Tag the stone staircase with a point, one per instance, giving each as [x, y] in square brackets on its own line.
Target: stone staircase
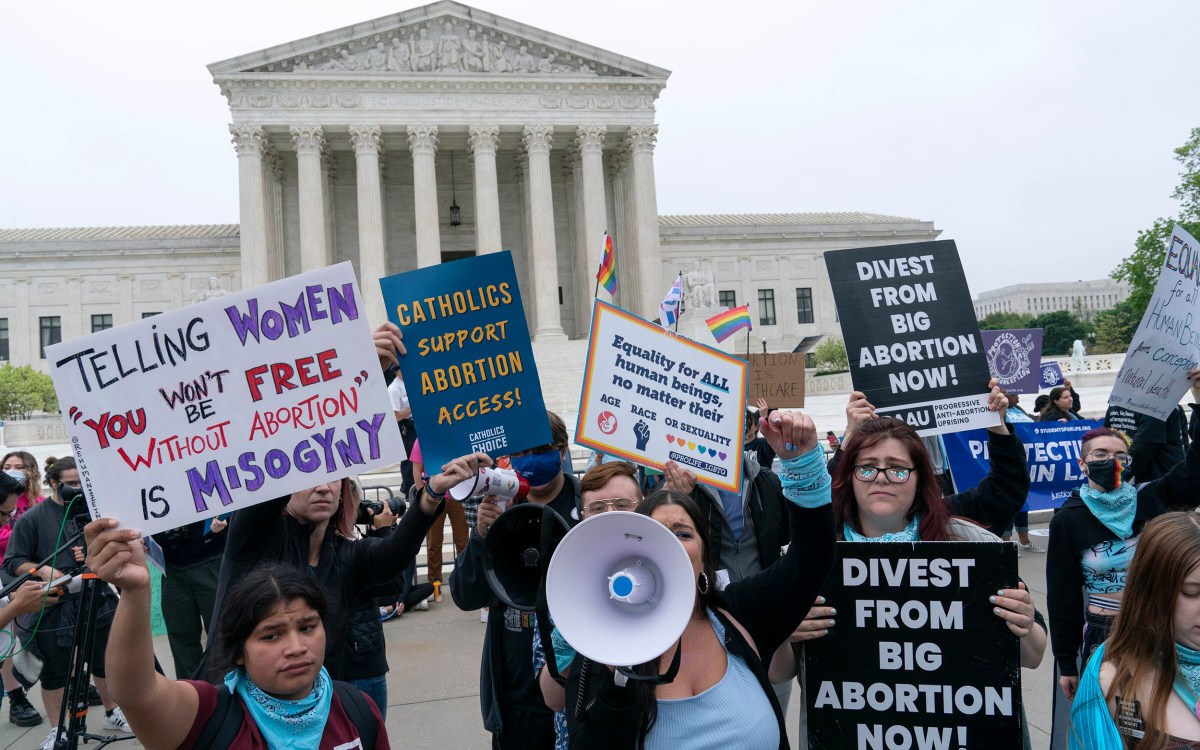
[560, 367]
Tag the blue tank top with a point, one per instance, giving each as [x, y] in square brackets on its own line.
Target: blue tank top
[1106, 564]
[734, 713]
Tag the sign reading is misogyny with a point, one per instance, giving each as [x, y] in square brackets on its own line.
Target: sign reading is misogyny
[1167, 344]
[652, 396]
[226, 403]
[911, 336]
[469, 371]
[918, 659]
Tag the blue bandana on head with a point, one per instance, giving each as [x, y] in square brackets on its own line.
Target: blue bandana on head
[908, 534]
[285, 724]
[1113, 509]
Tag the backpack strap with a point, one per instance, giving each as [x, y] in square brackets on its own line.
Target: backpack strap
[222, 726]
[354, 703]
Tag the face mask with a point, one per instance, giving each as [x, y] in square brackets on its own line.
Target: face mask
[1106, 474]
[539, 469]
[16, 474]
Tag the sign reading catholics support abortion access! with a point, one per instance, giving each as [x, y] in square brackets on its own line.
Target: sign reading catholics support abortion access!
[652, 396]
[226, 403]
[911, 336]
[917, 659]
[1167, 344]
[469, 371]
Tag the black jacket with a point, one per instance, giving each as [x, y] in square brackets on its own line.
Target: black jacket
[769, 606]
[768, 515]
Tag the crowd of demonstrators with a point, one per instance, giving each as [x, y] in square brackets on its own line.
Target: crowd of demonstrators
[192, 560]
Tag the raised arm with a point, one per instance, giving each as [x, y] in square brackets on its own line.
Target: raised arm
[160, 711]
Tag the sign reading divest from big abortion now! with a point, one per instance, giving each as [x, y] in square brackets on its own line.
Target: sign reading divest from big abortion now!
[469, 371]
[917, 658]
[226, 403]
[651, 396]
[911, 335]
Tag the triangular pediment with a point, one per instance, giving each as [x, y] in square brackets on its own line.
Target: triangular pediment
[442, 39]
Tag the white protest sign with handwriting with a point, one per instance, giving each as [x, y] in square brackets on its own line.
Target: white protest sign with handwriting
[651, 396]
[226, 403]
[1167, 343]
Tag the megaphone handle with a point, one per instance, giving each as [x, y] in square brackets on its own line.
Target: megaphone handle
[545, 624]
[656, 679]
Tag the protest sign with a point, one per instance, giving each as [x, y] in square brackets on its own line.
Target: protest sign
[471, 378]
[911, 335]
[1167, 344]
[917, 659]
[226, 403]
[1051, 452]
[652, 396]
[1013, 358]
[778, 378]
[1052, 375]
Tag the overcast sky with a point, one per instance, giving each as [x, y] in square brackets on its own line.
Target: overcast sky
[1038, 135]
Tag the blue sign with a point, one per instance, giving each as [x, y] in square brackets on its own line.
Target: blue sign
[1052, 375]
[1051, 450]
[469, 371]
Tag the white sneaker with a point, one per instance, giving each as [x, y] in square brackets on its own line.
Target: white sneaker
[116, 721]
[1032, 549]
[422, 605]
[51, 739]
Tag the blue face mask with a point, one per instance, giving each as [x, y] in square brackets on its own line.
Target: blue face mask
[539, 469]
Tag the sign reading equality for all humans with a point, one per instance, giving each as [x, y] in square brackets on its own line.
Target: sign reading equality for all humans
[469, 370]
[652, 396]
[911, 336]
[778, 378]
[1167, 344]
[918, 659]
[226, 403]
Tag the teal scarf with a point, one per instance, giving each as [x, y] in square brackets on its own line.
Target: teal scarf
[907, 534]
[1113, 509]
[1187, 679]
[286, 724]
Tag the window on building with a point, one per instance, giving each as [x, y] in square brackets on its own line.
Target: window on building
[766, 307]
[727, 299]
[51, 331]
[3, 339]
[149, 314]
[101, 323]
[804, 305]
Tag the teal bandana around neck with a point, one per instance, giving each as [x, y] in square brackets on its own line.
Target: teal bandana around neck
[285, 724]
[1113, 509]
[1187, 679]
[907, 534]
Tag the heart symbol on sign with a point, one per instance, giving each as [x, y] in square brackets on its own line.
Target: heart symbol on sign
[712, 451]
[681, 441]
[722, 455]
[691, 446]
[670, 438]
[701, 449]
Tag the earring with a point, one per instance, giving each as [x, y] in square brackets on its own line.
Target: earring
[702, 583]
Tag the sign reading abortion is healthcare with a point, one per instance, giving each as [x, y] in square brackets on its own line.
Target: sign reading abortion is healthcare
[911, 335]
[226, 403]
[652, 396]
[917, 659]
[469, 371]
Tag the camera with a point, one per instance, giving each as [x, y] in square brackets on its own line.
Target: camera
[76, 503]
[368, 509]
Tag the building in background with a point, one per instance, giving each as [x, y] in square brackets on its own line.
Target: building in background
[1084, 297]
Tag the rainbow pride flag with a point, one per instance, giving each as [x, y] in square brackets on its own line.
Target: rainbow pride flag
[723, 325]
[607, 275]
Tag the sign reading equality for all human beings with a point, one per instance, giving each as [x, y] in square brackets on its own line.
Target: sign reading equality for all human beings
[917, 659]
[652, 396]
[226, 403]
[911, 336]
[469, 370]
[1167, 343]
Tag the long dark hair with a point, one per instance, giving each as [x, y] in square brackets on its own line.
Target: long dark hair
[253, 599]
[928, 503]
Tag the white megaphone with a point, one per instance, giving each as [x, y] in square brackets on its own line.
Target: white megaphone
[504, 484]
[621, 588]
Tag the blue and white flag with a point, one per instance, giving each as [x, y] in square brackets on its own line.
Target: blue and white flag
[668, 311]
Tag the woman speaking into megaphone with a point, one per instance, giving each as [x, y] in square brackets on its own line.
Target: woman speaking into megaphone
[720, 695]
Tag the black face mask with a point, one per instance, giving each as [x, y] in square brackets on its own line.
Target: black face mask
[1105, 473]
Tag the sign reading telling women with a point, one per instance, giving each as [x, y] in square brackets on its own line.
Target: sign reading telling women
[911, 335]
[226, 403]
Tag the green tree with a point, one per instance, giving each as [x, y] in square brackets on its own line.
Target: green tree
[830, 356]
[24, 390]
[1141, 269]
[1059, 331]
[1115, 327]
[1001, 321]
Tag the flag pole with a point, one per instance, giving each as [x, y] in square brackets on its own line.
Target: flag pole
[748, 344]
[596, 290]
[679, 279]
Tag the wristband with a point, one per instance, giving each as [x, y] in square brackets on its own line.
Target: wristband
[436, 497]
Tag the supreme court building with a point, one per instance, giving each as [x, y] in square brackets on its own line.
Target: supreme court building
[427, 136]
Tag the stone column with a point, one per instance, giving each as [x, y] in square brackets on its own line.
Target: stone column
[628, 286]
[372, 262]
[309, 141]
[645, 219]
[590, 139]
[483, 141]
[544, 257]
[328, 178]
[525, 262]
[23, 330]
[423, 142]
[249, 141]
[273, 190]
[582, 281]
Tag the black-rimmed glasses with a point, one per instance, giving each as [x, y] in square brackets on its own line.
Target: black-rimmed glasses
[894, 474]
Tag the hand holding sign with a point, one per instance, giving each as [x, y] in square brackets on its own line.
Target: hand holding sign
[816, 623]
[789, 433]
[116, 555]
[678, 478]
[388, 344]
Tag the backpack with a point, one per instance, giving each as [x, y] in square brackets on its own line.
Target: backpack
[226, 720]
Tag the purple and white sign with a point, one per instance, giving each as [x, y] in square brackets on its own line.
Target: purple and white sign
[1052, 375]
[1013, 358]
